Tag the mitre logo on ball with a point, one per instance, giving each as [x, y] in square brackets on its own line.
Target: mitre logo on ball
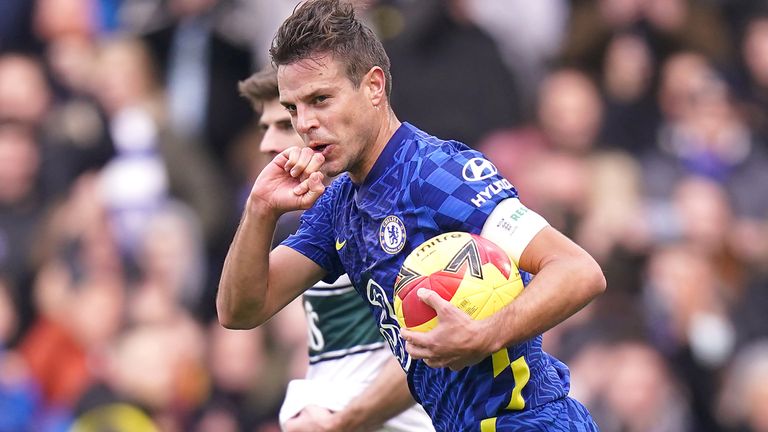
[471, 272]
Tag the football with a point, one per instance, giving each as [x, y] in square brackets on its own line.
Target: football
[471, 272]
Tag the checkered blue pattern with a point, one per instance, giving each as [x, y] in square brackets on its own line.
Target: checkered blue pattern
[423, 181]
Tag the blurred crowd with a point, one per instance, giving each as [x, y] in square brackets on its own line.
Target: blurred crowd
[637, 127]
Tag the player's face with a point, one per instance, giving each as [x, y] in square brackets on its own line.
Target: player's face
[277, 130]
[332, 115]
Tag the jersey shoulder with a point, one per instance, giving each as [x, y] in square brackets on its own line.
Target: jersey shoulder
[449, 173]
[441, 160]
[435, 152]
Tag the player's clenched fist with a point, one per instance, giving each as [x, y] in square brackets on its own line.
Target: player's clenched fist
[303, 161]
[292, 181]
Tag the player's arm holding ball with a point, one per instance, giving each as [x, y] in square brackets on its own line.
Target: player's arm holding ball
[247, 297]
[566, 279]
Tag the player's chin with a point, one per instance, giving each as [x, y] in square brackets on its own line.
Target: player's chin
[331, 169]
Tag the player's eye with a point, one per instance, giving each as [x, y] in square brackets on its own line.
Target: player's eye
[291, 108]
[320, 99]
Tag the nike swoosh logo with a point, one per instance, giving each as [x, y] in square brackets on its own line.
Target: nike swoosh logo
[339, 244]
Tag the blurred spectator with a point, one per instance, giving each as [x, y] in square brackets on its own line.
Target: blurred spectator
[627, 81]
[26, 97]
[528, 34]
[703, 214]
[171, 266]
[108, 15]
[73, 128]
[78, 299]
[199, 70]
[58, 350]
[737, 14]
[705, 134]
[748, 314]
[754, 57]
[689, 323]
[135, 181]
[76, 125]
[614, 215]
[640, 394]
[24, 92]
[248, 380]
[615, 230]
[15, 26]
[155, 373]
[151, 163]
[667, 25]
[681, 79]
[467, 99]
[20, 400]
[19, 396]
[699, 212]
[744, 397]
[21, 212]
[57, 18]
[114, 417]
[9, 319]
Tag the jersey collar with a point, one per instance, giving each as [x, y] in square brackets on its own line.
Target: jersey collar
[386, 158]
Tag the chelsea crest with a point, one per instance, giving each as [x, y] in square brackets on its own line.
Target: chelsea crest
[392, 234]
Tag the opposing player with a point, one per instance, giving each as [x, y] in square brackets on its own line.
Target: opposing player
[352, 380]
[400, 187]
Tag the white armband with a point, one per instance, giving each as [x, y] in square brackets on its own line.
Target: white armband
[512, 226]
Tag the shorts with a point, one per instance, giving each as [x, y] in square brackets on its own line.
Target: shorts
[562, 415]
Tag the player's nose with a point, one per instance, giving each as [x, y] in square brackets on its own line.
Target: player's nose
[305, 121]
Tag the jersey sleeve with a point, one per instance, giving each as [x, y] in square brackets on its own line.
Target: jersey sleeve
[460, 189]
[314, 237]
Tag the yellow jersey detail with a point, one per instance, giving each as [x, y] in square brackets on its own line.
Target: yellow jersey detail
[522, 374]
[488, 425]
[500, 361]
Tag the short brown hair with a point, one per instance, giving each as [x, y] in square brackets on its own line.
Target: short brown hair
[318, 27]
[260, 87]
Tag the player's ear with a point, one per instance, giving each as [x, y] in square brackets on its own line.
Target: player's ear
[375, 84]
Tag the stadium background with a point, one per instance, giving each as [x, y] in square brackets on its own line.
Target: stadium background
[638, 127]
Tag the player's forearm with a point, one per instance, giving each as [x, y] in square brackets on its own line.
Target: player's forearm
[387, 396]
[241, 297]
[559, 290]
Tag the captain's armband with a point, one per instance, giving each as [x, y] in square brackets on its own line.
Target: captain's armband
[512, 226]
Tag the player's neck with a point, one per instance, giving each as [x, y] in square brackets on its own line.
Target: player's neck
[389, 126]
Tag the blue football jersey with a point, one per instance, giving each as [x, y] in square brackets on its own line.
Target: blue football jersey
[419, 187]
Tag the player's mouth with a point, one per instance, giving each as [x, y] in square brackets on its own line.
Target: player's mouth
[320, 148]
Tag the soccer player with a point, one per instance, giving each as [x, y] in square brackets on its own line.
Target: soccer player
[398, 187]
[352, 380]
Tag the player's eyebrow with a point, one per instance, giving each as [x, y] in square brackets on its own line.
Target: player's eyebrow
[322, 91]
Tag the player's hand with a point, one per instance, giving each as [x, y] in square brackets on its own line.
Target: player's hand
[291, 181]
[456, 342]
[312, 418]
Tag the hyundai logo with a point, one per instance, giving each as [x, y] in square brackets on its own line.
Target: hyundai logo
[477, 169]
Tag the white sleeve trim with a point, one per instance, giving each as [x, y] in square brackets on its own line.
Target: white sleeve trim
[512, 226]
